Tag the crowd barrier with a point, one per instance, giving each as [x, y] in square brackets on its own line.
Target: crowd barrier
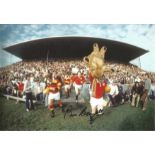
[16, 98]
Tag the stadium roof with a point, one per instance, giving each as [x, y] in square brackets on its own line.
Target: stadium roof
[74, 47]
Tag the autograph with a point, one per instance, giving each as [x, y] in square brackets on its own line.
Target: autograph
[69, 111]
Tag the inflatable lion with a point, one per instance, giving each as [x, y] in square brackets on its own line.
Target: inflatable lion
[95, 61]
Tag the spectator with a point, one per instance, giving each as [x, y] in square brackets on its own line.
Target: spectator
[136, 92]
[28, 91]
[147, 88]
[38, 91]
[152, 92]
[20, 88]
[113, 93]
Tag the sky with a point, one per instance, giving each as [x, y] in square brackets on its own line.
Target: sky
[141, 35]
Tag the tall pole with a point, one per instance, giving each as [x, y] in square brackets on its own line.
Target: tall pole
[47, 60]
[139, 63]
[9, 58]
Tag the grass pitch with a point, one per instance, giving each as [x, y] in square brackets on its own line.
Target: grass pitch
[14, 117]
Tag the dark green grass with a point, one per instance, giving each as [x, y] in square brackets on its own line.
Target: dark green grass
[124, 117]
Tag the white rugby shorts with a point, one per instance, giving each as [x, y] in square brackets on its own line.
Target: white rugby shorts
[67, 86]
[98, 101]
[54, 96]
[77, 88]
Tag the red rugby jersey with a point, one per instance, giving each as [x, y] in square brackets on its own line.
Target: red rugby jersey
[100, 87]
[20, 86]
[79, 80]
[72, 78]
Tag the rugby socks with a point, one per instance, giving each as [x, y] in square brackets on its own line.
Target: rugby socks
[51, 107]
[60, 104]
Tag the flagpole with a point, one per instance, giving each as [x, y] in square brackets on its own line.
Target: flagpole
[47, 60]
[139, 62]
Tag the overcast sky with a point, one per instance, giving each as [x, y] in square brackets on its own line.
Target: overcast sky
[139, 35]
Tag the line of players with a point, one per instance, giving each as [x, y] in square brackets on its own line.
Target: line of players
[76, 81]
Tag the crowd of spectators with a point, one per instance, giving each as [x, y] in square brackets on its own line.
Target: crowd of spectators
[123, 75]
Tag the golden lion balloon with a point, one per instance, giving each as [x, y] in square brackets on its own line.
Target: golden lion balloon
[95, 61]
